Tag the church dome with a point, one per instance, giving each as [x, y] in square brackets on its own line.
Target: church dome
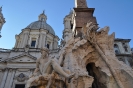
[41, 24]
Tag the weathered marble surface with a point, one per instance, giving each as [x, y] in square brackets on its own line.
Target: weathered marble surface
[44, 72]
[94, 47]
[113, 73]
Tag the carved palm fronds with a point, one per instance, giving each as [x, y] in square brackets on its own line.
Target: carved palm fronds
[94, 36]
[103, 44]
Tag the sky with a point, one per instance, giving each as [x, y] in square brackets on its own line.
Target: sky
[117, 14]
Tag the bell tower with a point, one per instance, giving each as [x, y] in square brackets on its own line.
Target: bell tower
[83, 14]
[2, 20]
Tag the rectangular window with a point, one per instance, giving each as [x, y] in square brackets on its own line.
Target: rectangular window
[33, 43]
[20, 86]
[48, 44]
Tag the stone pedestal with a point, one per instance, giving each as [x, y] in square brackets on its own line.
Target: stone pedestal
[41, 87]
[82, 82]
[83, 15]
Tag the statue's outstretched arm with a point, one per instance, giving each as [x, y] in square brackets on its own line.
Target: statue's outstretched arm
[37, 63]
[61, 55]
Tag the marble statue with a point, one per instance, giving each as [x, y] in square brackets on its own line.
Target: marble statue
[70, 63]
[44, 67]
[118, 74]
[0, 10]
[93, 48]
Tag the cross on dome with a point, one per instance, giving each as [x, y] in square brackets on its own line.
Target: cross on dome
[42, 16]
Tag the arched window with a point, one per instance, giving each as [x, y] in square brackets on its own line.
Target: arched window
[116, 48]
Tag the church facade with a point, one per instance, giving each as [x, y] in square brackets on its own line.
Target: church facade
[18, 64]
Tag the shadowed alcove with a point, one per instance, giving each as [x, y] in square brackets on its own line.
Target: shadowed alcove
[97, 74]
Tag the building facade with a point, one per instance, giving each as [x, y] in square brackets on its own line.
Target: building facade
[132, 50]
[18, 64]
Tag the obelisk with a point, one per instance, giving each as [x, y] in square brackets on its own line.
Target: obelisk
[83, 14]
[80, 4]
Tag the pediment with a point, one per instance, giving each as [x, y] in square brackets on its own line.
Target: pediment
[22, 58]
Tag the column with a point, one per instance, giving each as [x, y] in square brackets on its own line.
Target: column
[129, 48]
[29, 41]
[67, 23]
[26, 39]
[16, 44]
[121, 47]
[9, 77]
[40, 41]
[19, 43]
[55, 43]
[22, 41]
[51, 45]
[44, 40]
[4, 78]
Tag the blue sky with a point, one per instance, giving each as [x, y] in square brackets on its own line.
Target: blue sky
[117, 14]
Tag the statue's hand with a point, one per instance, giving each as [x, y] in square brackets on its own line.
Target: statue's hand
[31, 76]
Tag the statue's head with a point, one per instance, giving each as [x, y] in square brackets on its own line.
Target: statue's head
[44, 52]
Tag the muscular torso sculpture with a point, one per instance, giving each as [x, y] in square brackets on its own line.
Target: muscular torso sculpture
[44, 66]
